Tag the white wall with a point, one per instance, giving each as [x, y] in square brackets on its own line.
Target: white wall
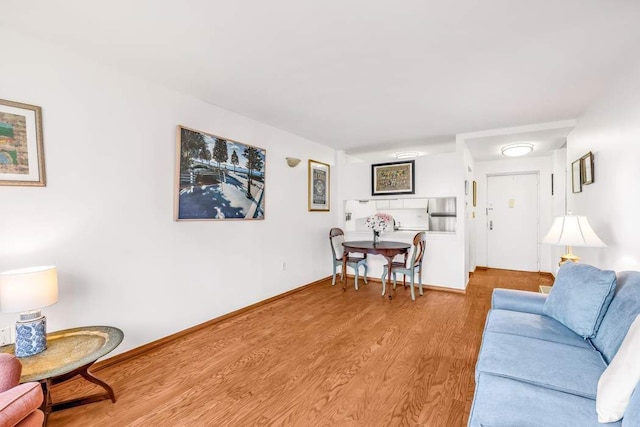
[105, 216]
[610, 129]
[558, 201]
[544, 167]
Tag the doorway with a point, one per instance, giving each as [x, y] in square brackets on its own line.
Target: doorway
[512, 221]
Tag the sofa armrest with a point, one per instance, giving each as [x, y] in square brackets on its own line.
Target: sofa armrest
[17, 403]
[10, 370]
[524, 301]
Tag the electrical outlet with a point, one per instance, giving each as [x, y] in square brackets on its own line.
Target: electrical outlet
[5, 335]
[284, 266]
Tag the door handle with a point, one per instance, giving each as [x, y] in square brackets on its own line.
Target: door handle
[490, 225]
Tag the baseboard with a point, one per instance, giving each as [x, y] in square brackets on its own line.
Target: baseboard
[135, 352]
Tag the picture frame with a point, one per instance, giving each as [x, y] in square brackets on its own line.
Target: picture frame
[475, 193]
[393, 178]
[319, 186]
[217, 178]
[21, 145]
[576, 176]
[587, 168]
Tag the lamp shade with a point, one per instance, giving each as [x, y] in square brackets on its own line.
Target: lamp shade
[572, 230]
[28, 289]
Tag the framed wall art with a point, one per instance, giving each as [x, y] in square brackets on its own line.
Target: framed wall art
[319, 186]
[587, 168]
[576, 176]
[393, 178]
[475, 193]
[21, 147]
[218, 178]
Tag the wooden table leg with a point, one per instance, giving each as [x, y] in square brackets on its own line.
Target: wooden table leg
[46, 401]
[84, 373]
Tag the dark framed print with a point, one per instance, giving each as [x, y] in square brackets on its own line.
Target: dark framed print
[21, 147]
[393, 178]
[217, 178]
[576, 176]
[587, 168]
[319, 186]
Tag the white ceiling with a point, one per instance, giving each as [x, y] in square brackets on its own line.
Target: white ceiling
[357, 74]
[544, 137]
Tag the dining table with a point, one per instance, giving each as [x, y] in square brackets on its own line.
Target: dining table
[386, 248]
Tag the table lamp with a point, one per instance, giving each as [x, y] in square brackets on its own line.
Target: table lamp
[26, 291]
[572, 230]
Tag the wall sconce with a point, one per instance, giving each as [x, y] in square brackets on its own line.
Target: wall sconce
[292, 162]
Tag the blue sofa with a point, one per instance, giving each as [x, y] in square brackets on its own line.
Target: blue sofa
[534, 371]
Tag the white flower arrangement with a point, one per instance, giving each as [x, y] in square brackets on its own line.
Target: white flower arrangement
[379, 222]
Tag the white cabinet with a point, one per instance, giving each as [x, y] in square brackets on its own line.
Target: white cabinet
[415, 203]
[382, 204]
[396, 204]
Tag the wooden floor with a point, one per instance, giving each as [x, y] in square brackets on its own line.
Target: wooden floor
[318, 357]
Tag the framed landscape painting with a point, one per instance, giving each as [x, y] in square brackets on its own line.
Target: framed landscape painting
[21, 148]
[393, 178]
[319, 183]
[218, 178]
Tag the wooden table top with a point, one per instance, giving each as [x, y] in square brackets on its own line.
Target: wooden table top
[68, 350]
[383, 244]
[383, 247]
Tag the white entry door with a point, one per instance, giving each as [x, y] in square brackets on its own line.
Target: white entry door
[512, 222]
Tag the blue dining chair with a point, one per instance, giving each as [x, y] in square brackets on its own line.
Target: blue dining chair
[336, 237]
[411, 268]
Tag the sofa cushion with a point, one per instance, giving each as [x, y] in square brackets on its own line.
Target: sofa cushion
[503, 402]
[533, 326]
[620, 378]
[580, 297]
[632, 414]
[560, 367]
[623, 309]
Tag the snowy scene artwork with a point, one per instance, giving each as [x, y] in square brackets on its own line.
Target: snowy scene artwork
[319, 184]
[218, 178]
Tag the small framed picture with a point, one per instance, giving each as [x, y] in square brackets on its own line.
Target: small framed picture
[475, 194]
[393, 178]
[21, 148]
[576, 176]
[587, 168]
[319, 186]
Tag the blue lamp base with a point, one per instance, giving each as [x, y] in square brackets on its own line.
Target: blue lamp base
[31, 334]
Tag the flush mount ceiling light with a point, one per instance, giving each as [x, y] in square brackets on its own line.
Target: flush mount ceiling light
[407, 155]
[515, 150]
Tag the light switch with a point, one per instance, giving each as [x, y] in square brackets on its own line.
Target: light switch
[512, 203]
